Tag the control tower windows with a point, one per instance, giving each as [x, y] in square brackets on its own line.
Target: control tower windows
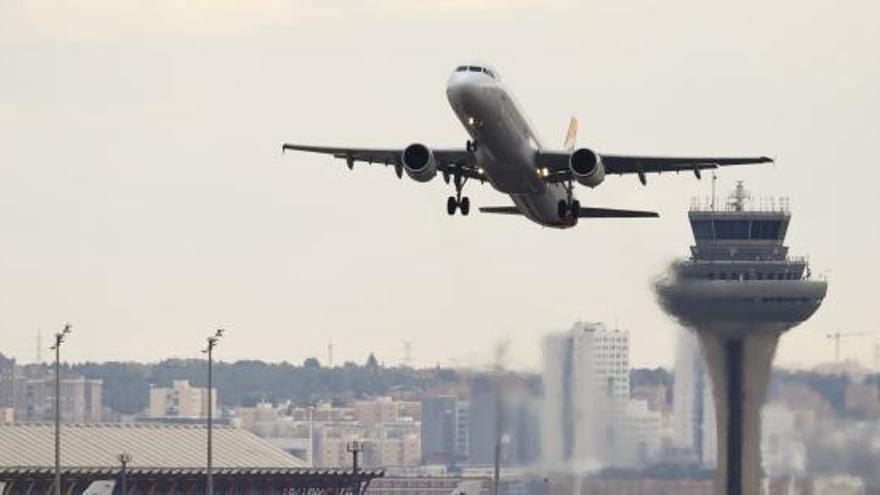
[736, 230]
[702, 229]
[765, 229]
[731, 229]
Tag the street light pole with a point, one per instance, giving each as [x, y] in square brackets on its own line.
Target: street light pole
[124, 459]
[355, 447]
[212, 342]
[59, 338]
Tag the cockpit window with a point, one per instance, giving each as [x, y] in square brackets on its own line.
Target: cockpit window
[475, 68]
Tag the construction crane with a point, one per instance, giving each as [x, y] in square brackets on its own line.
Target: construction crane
[843, 335]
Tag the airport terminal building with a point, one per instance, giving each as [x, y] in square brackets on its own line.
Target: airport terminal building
[164, 459]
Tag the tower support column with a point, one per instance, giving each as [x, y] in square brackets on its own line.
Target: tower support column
[740, 370]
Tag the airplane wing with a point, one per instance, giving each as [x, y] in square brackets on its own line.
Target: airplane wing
[449, 161]
[557, 164]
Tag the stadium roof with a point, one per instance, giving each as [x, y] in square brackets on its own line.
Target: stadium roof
[151, 446]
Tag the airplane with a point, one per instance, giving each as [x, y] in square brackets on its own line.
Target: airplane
[505, 151]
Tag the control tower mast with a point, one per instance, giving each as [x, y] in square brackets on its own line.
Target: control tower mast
[739, 291]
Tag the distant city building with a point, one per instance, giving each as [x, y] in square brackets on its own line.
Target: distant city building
[482, 419]
[782, 448]
[504, 403]
[181, 400]
[588, 417]
[439, 430]
[693, 407]
[521, 442]
[80, 398]
[377, 451]
[7, 389]
[7, 415]
[387, 430]
[379, 410]
[862, 400]
[636, 440]
[462, 440]
[261, 419]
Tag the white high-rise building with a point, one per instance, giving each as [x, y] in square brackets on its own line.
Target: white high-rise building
[587, 401]
[693, 407]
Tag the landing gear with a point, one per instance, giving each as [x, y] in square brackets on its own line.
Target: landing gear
[471, 146]
[562, 209]
[458, 202]
[569, 206]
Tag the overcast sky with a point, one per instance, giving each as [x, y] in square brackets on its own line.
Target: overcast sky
[144, 198]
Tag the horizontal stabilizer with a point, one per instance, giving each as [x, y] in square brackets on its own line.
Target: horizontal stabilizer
[584, 212]
[502, 210]
[610, 213]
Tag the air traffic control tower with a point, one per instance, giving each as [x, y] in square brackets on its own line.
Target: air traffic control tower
[739, 291]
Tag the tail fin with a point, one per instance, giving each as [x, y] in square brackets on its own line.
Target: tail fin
[571, 135]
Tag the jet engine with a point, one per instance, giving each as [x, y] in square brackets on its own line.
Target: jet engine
[419, 163]
[587, 168]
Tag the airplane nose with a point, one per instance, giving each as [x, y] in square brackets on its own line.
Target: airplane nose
[459, 88]
[454, 86]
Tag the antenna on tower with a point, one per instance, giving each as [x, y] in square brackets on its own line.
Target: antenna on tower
[407, 353]
[330, 354]
[38, 355]
[737, 200]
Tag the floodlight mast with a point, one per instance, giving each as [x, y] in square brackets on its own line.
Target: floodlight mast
[212, 343]
[59, 339]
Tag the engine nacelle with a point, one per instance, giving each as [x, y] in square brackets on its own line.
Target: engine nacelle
[419, 163]
[587, 167]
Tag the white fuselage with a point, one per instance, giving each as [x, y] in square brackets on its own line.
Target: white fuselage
[506, 145]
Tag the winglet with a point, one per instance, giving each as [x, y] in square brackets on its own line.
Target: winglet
[571, 135]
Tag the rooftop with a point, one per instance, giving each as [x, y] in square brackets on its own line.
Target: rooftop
[740, 201]
[151, 446]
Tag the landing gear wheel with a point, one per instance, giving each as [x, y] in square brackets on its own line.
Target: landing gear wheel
[562, 208]
[471, 146]
[575, 208]
[451, 204]
[463, 204]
